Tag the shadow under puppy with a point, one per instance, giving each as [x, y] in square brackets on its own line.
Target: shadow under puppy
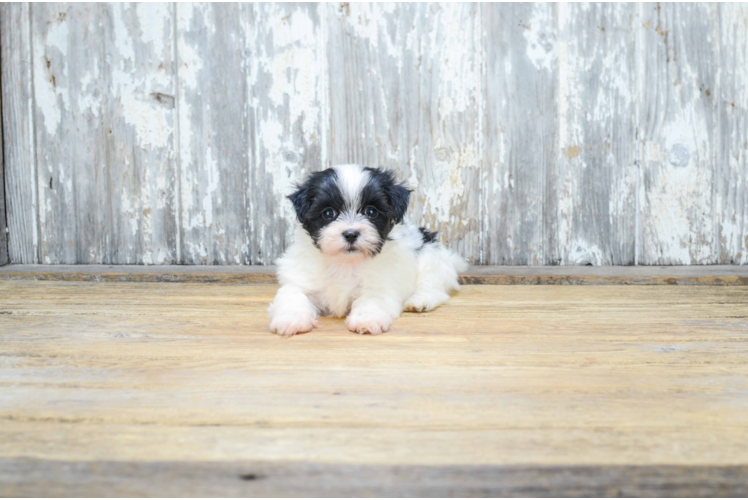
[356, 256]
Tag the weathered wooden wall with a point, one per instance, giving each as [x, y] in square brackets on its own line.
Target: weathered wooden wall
[3, 220]
[532, 133]
[3, 223]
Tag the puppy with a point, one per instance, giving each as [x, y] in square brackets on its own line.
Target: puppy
[355, 256]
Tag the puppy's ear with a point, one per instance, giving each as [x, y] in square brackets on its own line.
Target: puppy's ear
[399, 199]
[301, 200]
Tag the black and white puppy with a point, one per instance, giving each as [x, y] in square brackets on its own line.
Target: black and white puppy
[356, 256]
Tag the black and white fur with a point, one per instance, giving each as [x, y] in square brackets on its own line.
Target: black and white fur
[356, 256]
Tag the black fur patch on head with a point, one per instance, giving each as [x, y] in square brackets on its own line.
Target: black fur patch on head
[319, 192]
[428, 236]
[383, 185]
[389, 198]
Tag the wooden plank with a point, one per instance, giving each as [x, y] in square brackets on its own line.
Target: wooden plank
[731, 167]
[475, 275]
[103, 85]
[139, 121]
[285, 77]
[596, 168]
[408, 94]
[147, 274]
[520, 127]
[3, 219]
[18, 132]
[213, 137]
[589, 386]
[678, 120]
[22, 477]
[239, 161]
[70, 94]
[364, 53]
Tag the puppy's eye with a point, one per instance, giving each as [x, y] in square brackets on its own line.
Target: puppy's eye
[328, 214]
[371, 212]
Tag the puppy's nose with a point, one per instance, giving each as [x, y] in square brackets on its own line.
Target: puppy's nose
[350, 235]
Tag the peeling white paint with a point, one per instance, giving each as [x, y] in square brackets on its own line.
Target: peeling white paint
[87, 98]
[288, 71]
[213, 181]
[154, 19]
[679, 211]
[150, 121]
[458, 72]
[123, 39]
[539, 35]
[687, 212]
[450, 187]
[50, 75]
[135, 87]
[679, 208]
[366, 22]
[282, 172]
[190, 62]
[294, 69]
[583, 253]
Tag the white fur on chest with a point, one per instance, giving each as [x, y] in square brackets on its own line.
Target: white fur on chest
[340, 286]
[334, 284]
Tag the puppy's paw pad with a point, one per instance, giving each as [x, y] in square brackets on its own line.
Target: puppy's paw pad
[425, 302]
[291, 324]
[368, 323]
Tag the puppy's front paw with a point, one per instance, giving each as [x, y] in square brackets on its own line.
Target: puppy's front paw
[292, 323]
[422, 302]
[368, 321]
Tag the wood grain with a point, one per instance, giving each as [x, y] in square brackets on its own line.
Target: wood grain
[139, 127]
[21, 477]
[475, 275]
[179, 373]
[520, 126]
[285, 76]
[68, 67]
[3, 219]
[532, 134]
[213, 142]
[678, 132]
[18, 132]
[731, 166]
[595, 173]
[103, 84]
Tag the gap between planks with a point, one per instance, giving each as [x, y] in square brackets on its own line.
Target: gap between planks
[475, 275]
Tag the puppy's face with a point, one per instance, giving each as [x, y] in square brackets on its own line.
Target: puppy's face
[349, 210]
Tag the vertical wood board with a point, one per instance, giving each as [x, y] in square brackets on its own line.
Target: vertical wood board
[213, 148]
[595, 171]
[678, 120]
[18, 133]
[520, 129]
[285, 68]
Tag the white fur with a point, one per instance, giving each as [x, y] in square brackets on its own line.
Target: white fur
[370, 291]
[332, 243]
[352, 178]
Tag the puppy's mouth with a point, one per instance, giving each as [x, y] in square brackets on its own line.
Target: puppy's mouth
[352, 249]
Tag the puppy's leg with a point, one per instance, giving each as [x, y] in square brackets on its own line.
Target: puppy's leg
[437, 277]
[292, 312]
[373, 313]
[426, 300]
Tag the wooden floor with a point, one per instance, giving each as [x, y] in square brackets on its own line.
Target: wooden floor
[179, 389]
